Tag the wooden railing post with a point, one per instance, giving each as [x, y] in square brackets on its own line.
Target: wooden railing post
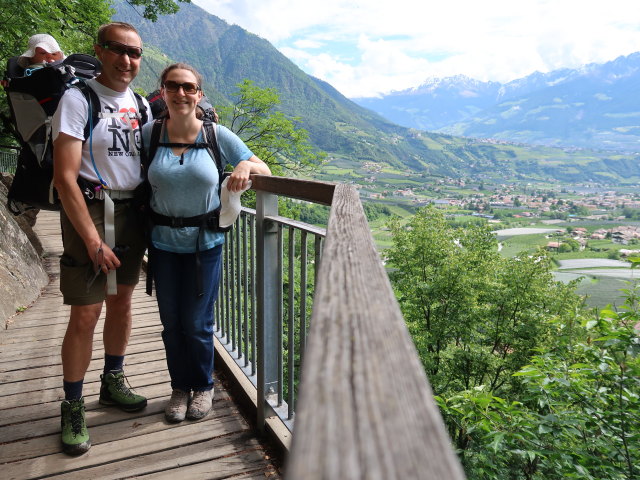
[267, 306]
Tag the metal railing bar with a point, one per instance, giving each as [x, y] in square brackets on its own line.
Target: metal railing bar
[254, 332]
[239, 290]
[291, 325]
[225, 319]
[303, 293]
[280, 316]
[232, 284]
[245, 276]
[318, 256]
[305, 227]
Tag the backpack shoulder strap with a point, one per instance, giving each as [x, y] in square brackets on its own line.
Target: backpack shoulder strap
[142, 109]
[212, 146]
[14, 70]
[154, 141]
[94, 106]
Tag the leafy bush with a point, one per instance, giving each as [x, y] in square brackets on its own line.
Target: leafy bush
[530, 385]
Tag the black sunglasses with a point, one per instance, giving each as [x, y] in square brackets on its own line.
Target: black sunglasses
[189, 88]
[120, 49]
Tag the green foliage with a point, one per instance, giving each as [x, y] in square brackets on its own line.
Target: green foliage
[153, 8]
[319, 214]
[614, 255]
[313, 213]
[528, 385]
[474, 315]
[579, 210]
[631, 213]
[73, 23]
[578, 413]
[273, 137]
[375, 211]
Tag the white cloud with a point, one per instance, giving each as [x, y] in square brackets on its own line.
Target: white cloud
[308, 43]
[363, 47]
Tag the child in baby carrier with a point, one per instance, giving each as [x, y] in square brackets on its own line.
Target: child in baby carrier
[42, 49]
[34, 86]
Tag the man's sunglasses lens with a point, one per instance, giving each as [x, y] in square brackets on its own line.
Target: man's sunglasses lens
[188, 88]
[121, 49]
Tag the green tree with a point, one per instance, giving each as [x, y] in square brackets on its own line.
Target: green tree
[273, 137]
[577, 414]
[474, 315]
[579, 210]
[73, 24]
[153, 8]
[564, 248]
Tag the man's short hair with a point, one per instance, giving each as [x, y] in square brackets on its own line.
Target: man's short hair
[104, 30]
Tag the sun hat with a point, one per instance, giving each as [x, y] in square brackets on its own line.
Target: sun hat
[42, 40]
[229, 204]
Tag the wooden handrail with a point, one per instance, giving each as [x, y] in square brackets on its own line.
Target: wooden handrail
[317, 192]
[366, 409]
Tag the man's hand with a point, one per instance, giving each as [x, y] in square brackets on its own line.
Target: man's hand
[103, 257]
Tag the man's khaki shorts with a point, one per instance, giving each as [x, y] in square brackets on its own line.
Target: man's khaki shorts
[76, 268]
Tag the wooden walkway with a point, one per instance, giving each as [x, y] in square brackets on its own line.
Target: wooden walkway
[125, 445]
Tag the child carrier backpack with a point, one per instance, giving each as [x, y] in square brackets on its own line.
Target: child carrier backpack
[33, 96]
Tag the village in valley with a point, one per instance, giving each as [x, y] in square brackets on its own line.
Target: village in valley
[589, 230]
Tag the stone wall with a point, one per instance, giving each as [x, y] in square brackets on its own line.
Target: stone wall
[22, 274]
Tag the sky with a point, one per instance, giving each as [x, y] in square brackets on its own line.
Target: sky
[365, 48]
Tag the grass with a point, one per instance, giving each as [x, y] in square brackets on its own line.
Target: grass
[598, 291]
[579, 255]
[602, 291]
[512, 246]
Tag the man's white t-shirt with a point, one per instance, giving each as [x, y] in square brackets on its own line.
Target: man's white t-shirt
[115, 142]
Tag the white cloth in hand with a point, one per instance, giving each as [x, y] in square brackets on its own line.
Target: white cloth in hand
[230, 204]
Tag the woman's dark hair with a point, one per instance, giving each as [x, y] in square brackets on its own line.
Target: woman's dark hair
[180, 66]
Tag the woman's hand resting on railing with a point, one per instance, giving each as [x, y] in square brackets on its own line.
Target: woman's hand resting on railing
[240, 176]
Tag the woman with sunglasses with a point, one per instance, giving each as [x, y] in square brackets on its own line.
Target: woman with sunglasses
[184, 183]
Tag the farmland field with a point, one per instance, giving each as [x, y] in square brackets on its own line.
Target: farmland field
[601, 278]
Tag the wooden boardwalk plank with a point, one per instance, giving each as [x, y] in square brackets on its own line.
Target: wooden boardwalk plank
[223, 446]
[124, 445]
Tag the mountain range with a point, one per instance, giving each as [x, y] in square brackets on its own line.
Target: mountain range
[596, 106]
[354, 136]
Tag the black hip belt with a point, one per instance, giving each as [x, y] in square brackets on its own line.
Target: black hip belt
[209, 220]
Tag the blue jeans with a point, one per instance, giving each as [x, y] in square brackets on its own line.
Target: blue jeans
[187, 318]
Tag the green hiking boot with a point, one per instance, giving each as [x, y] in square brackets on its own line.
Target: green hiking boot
[75, 437]
[114, 391]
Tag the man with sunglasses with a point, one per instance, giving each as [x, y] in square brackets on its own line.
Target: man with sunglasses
[103, 241]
